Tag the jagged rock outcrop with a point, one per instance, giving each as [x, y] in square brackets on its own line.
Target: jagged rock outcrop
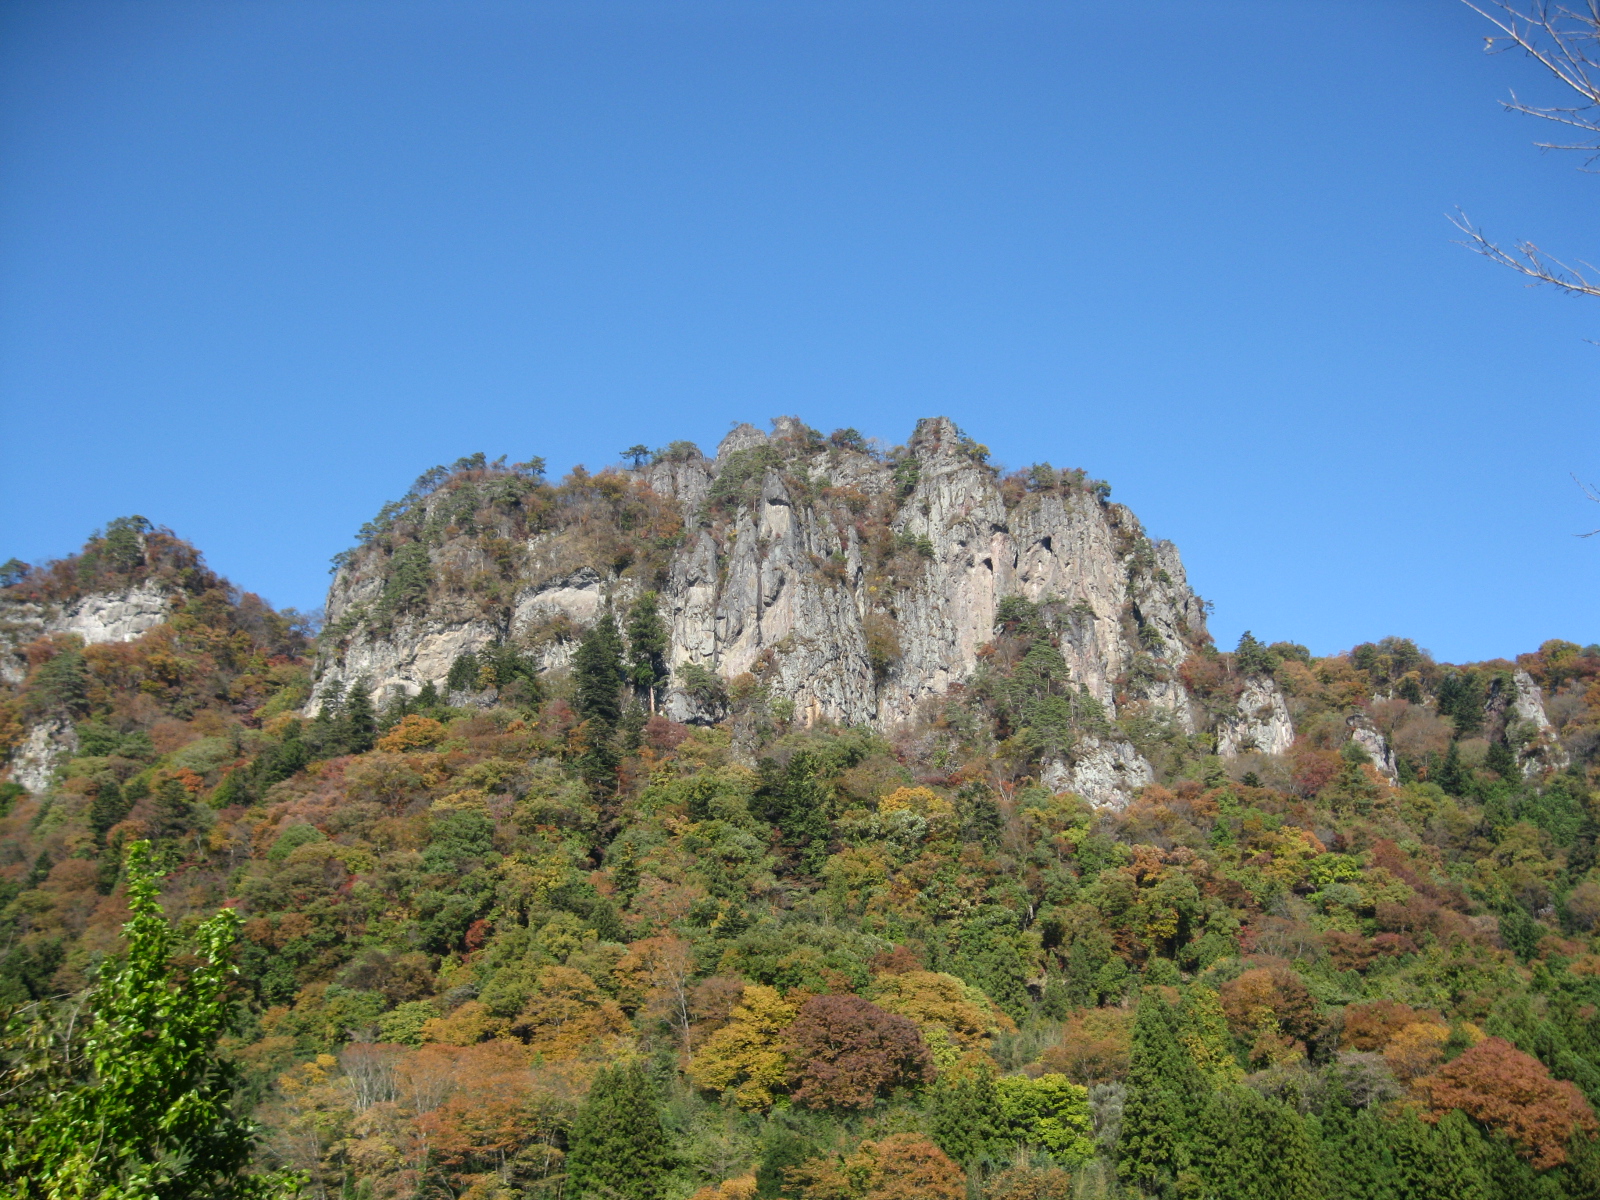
[1366, 735]
[1261, 722]
[1528, 727]
[1106, 773]
[48, 744]
[854, 586]
[120, 616]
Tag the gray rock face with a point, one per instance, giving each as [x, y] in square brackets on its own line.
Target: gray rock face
[787, 588]
[1262, 722]
[47, 746]
[1530, 729]
[98, 617]
[1364, 734]
[1104, 773]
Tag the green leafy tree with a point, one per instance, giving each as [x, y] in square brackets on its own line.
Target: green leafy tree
[1049, 1112]
[140, 1105]
[617, 1146]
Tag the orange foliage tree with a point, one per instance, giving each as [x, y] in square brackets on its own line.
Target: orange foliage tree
[1501, 1087]
[902, 1166]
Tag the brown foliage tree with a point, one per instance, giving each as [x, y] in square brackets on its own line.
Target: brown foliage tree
[847, 1051]
[1371, 1026]
[1094, 1046]
[903, 1166]
[1274, 991]
[1505, 1089]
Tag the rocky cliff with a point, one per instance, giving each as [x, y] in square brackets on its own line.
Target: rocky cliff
[854, 585]
[122, 615]
[116, 616]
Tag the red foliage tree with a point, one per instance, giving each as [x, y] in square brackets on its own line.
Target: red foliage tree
[1498, 1085]
[847, 1051]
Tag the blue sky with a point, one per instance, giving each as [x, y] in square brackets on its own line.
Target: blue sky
[263, 263]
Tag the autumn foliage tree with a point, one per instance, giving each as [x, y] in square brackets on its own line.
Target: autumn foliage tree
[902, 1166]
[847, 1052]
[1502, 1088]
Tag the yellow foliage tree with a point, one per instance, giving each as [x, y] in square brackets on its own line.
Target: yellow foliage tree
[953, 1017]
[466, 1026]
[569, 1015]
[925, 802]
[746, 1056]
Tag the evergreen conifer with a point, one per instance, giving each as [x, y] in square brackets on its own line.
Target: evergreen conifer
[1247, 1145]
[598, 674]
[1157, 1123]
[359, 726]
[1356, 1163]
[1437, 1163]
[964, 1112]
[617, 1146]
[647, 647]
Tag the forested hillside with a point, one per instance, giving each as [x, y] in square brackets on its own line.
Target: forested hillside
[515, 931]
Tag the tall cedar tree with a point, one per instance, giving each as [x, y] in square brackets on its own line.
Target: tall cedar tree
[1356, 1162]
[964, 1112]
[1442, 1162]
[360, 722]
[1247, 1145]
[143, 1106]
[1157, 1124]
[598, 674]
[647, 647]
[617, 1146]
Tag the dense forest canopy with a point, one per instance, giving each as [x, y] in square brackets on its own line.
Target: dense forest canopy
[519, 934]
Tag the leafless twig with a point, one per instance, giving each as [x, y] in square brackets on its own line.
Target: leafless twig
[1528, 259]
[1592, 495]
[1566, 42]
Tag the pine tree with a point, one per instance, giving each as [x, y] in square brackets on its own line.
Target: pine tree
[1056, 1003]
[1452, 776]
[359, 725]
[964, 1112]
[1157, 1122]
[616, 1146]
[598, 674]
[647, 647]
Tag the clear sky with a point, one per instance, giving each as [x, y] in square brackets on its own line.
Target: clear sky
[262, 263]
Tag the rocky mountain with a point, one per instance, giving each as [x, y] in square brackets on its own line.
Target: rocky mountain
[853, 585]
[828, 789]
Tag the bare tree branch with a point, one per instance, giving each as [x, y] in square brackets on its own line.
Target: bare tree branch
[1591, 494]
[1528, 259]
[1566, 42]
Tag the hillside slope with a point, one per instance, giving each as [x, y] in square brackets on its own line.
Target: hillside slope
[549, 794]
